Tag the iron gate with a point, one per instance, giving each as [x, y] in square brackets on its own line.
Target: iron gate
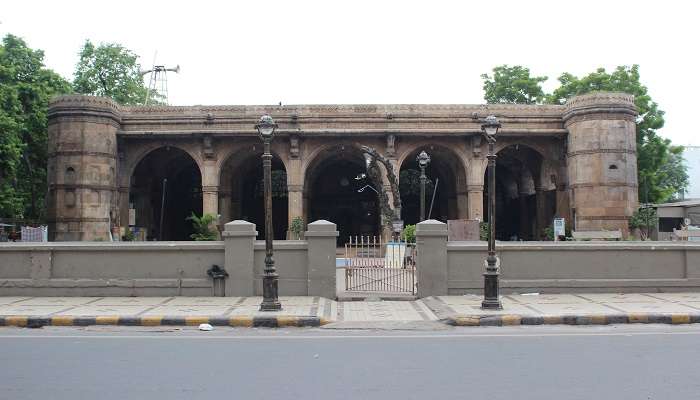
[375, 266]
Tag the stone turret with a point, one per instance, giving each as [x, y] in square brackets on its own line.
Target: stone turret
[602, 160]
[82, 167]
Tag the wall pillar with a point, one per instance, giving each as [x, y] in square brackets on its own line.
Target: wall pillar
[321, 237]
[431, 246]
[239, 239]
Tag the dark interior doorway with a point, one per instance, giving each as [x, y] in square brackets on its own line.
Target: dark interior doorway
[339, 191]
[175, 171]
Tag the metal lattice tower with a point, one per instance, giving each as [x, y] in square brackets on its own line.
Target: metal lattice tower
[158, 83]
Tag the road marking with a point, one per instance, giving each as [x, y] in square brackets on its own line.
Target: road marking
[207, 336]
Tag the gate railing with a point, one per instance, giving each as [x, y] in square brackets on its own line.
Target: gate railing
[372, 265]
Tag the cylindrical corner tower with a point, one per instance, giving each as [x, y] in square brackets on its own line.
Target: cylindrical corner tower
[82, 167]
[602, 160]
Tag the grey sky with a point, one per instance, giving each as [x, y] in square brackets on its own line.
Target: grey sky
[263, 52]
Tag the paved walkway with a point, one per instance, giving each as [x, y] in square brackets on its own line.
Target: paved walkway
[314, 311]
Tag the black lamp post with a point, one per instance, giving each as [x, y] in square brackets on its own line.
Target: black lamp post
[423, 161]
[491, 300]
[266, 128]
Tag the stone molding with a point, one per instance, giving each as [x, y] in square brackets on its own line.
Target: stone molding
[81, 153]
[599, 151]
[598, 184]
[89, 186]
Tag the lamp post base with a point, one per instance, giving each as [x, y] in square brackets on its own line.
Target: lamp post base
[491, 304]
[271, 305]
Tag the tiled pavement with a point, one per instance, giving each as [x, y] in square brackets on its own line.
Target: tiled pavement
[686, 306]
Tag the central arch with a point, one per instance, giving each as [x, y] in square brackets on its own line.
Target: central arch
[336, 189]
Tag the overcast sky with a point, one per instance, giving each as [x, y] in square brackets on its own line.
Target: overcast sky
[301, 52]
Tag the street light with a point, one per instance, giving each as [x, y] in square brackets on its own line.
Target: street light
[266, 128]
[423, 161]
[491, 301]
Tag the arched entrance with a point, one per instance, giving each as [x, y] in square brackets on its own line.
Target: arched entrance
[518, 186]
[243, 192]
[167, 177]
[442, 171]
[337, 190]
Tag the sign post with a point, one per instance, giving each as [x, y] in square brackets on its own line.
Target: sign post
[559, 228]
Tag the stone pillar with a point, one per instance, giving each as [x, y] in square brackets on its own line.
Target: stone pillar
[475, 194]
[431, 246]
[124, 206]
[562, 207]
[239, 239]
[210, 200]
[524, 216]
[602, 159]
[321, 236]
[295, 189]
[225, 204]
[82, 167]
[295, 202]
[542, 217]
[462, 204]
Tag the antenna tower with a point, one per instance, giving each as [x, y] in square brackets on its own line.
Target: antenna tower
[158, 82]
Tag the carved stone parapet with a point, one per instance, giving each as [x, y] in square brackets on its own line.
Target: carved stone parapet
[600, 103]
[88, 106]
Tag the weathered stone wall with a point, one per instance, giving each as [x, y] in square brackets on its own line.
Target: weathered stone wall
[82, 168]
[602, 160]
[106, 142]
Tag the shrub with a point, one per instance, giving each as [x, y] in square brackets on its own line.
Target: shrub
[409, 234]
[202, 227]
[297, 227]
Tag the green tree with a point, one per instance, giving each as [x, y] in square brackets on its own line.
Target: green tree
[110, 70]
[644, 219]
[662, 174]
[513, 85]
[27, 86]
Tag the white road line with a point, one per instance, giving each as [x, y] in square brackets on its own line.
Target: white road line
[343, 337]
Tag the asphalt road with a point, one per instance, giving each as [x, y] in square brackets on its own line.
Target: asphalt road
[618, 362]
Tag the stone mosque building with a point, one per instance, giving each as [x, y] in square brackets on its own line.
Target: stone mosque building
[150, 167]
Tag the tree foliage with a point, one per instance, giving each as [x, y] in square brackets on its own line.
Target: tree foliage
[27, 86]
[662, 174]
[110, 70]
[513, 85]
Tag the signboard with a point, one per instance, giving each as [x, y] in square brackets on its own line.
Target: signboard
[398, 225]
[132, 217]
[559, 228]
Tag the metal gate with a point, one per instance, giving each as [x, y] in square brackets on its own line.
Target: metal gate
[375, 266]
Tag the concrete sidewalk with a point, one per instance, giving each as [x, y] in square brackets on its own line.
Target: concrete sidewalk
[576, 309]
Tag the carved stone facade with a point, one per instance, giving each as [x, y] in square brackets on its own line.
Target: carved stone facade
[576, 161]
